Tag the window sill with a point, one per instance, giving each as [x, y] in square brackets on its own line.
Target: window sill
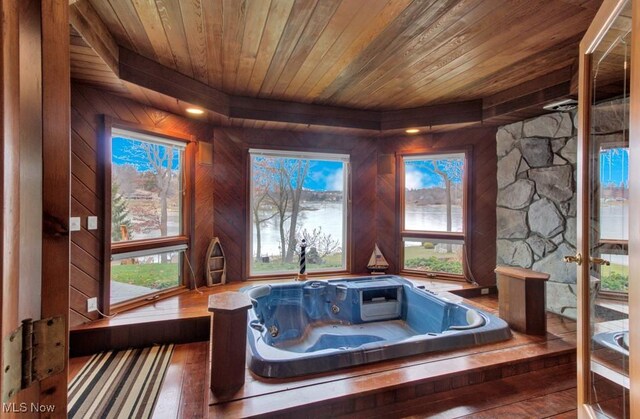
[434, 275]
[146, 299]
[294, 276]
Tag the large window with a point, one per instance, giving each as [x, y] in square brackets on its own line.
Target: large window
[147, 214]
[433, 215]
[296, 196]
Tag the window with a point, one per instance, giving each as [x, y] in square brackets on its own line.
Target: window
[296, 196]
[147, 189]
[433, 215]
[614, 217]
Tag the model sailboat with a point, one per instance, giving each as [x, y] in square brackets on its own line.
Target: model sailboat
[377, 263]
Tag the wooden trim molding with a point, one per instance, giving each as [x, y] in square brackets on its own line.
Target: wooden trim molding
[146, 244]
[303, 113]
[442, 114]
[145, 72]
[147, 298]
[634, 216]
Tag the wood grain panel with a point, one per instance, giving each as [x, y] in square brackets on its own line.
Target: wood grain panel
[87, 107]
[382, 55]
[483, 191]
[56, 181]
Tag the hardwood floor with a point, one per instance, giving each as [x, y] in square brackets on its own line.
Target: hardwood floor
[372, 388]
[529, 376]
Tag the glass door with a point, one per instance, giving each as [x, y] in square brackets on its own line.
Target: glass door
[603, 257]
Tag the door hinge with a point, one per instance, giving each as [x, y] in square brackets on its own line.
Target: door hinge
[32, 352]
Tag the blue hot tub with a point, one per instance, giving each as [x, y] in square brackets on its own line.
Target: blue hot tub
[307, 327]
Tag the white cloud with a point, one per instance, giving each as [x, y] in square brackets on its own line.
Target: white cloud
[413, 178]
[335, 180]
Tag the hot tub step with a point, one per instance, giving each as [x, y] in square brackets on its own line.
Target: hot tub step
[383, 391]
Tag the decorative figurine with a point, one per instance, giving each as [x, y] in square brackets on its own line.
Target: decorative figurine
[302, 275]
[377, 263]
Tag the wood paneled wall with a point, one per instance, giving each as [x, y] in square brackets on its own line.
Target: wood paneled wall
[221, 189]
[483, 187]
[87, 107]
[230, 192]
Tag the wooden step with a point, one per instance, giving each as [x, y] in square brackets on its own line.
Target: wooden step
[367, 388]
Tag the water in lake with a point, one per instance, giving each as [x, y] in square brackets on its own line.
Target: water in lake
[325, 215]
[329, 216]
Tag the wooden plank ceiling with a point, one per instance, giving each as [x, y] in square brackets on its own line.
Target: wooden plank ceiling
[377, 55]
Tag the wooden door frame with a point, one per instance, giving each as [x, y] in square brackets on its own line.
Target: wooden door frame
[54, 96]
[598, 28]
[634, 216]
[56, 181]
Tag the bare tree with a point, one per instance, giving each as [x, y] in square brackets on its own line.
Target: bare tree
[278, 195]
[260, 198]
[161, 163]
[160, 159]
[450, 170]
[295, 178]
[283, 180]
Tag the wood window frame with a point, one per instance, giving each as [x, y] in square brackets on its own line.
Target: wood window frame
[186, 236]
[249, 230]
[465, 235]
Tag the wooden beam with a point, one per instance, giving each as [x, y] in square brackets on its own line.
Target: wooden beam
[86, 21]
[442, 114]
[536, 99]
[524, 89]
[303, 113]
[145, 72]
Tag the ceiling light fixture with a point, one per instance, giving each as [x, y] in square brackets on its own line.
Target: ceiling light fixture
[195, 111]
[412, 131]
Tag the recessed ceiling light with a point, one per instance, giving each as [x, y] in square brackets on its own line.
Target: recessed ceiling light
[195, 111]
[412, 131]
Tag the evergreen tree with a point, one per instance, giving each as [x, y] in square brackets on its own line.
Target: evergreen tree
[119, 213]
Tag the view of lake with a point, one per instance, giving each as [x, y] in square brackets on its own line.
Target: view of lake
[328, 215]
[615, 222]
[432, 218]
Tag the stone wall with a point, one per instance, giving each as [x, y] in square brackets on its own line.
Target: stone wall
[536, 202]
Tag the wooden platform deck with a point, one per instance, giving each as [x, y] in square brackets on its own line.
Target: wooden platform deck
[531, 376]
[182, 318]
[385, 387]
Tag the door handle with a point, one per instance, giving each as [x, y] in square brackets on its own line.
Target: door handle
[599, 261]
[577, 259]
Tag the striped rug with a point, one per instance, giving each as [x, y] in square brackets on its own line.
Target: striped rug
[119, 384]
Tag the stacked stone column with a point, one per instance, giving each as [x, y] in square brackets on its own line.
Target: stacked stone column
[536, 203]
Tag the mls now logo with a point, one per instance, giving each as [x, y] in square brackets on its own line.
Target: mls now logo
[27, 407]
